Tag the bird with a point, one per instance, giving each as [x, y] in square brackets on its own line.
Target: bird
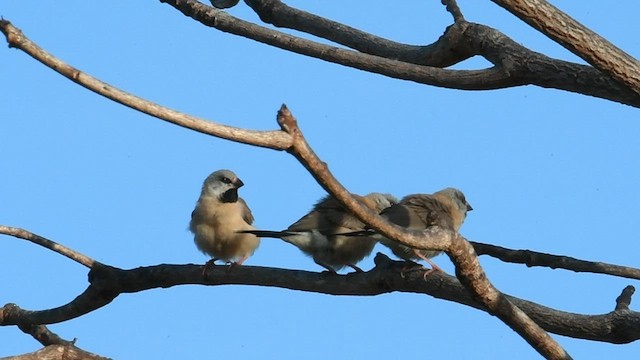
[317, 233]
[218, 216]
[446, 208]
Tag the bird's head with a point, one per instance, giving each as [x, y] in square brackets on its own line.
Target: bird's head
[381, 201]
[223, 184]
[458, 199]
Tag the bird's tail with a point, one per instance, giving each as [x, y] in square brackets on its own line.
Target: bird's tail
[358, 233]
[266, 233]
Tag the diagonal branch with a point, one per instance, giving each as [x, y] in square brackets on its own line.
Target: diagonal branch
[468, 268]
[51, 245]
[578, 39]
[276, 140]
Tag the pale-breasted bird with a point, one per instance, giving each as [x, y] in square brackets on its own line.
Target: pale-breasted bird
[317, 234]
[219, 216]
[446, 208]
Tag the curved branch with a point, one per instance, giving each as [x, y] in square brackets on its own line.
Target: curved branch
[43, 335]
[459, 42]
[534, 258]
[492, 78]
[578, 39]
[276, 140]
[51, 245]
[619, 326]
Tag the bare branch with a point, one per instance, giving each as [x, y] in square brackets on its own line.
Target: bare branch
[615, 327]
[58, 352]
[578, 39]
[471, 274]
[453, 9]
[624, 300]
[468, 268]
[43, 335]
[51, 245]
[534, 258]
[276, 140]
[515, 65]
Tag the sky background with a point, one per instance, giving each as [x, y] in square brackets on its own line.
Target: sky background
[545, 170]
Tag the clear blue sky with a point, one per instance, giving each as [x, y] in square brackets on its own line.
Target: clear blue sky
[544, 170]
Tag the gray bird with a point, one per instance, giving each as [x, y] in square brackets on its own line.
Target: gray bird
[446, 208]
[317, 234]
[219, 216]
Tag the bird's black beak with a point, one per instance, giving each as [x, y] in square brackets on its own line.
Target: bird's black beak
[238, 183]
[469, 208]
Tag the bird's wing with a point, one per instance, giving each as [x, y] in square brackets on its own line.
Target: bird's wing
[246, 212]
[419, 212]
[328, 217]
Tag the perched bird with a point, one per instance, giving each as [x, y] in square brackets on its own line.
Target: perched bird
[223, 4]
[317, 233]
[217, 218]
[446, 208]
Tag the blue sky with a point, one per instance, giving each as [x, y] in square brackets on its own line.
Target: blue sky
[544, 170]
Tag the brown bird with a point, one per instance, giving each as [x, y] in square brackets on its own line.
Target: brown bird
[217, 218]
[446, 208]
[317, 234]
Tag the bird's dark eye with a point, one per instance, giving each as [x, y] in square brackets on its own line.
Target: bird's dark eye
[226, 180]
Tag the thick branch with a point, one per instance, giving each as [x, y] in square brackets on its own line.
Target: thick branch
[58, 352]
[620, 326]
[519, 65]
[578, 39]
[270, 139]
[471, 274]
[458, 79]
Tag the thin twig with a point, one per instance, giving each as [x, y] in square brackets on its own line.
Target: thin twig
[453, 9]
[49, 244]
[534, 258]
[276, 140]
[624, 300]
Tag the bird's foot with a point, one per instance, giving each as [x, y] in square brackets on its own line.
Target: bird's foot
[410, 266]
[208, 265]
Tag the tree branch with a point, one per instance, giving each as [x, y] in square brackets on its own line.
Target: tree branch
[51, 245]
[276, 140]
[619, 326]
[578, 39]
[534, 258]
[515, 65]
[58, 352]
